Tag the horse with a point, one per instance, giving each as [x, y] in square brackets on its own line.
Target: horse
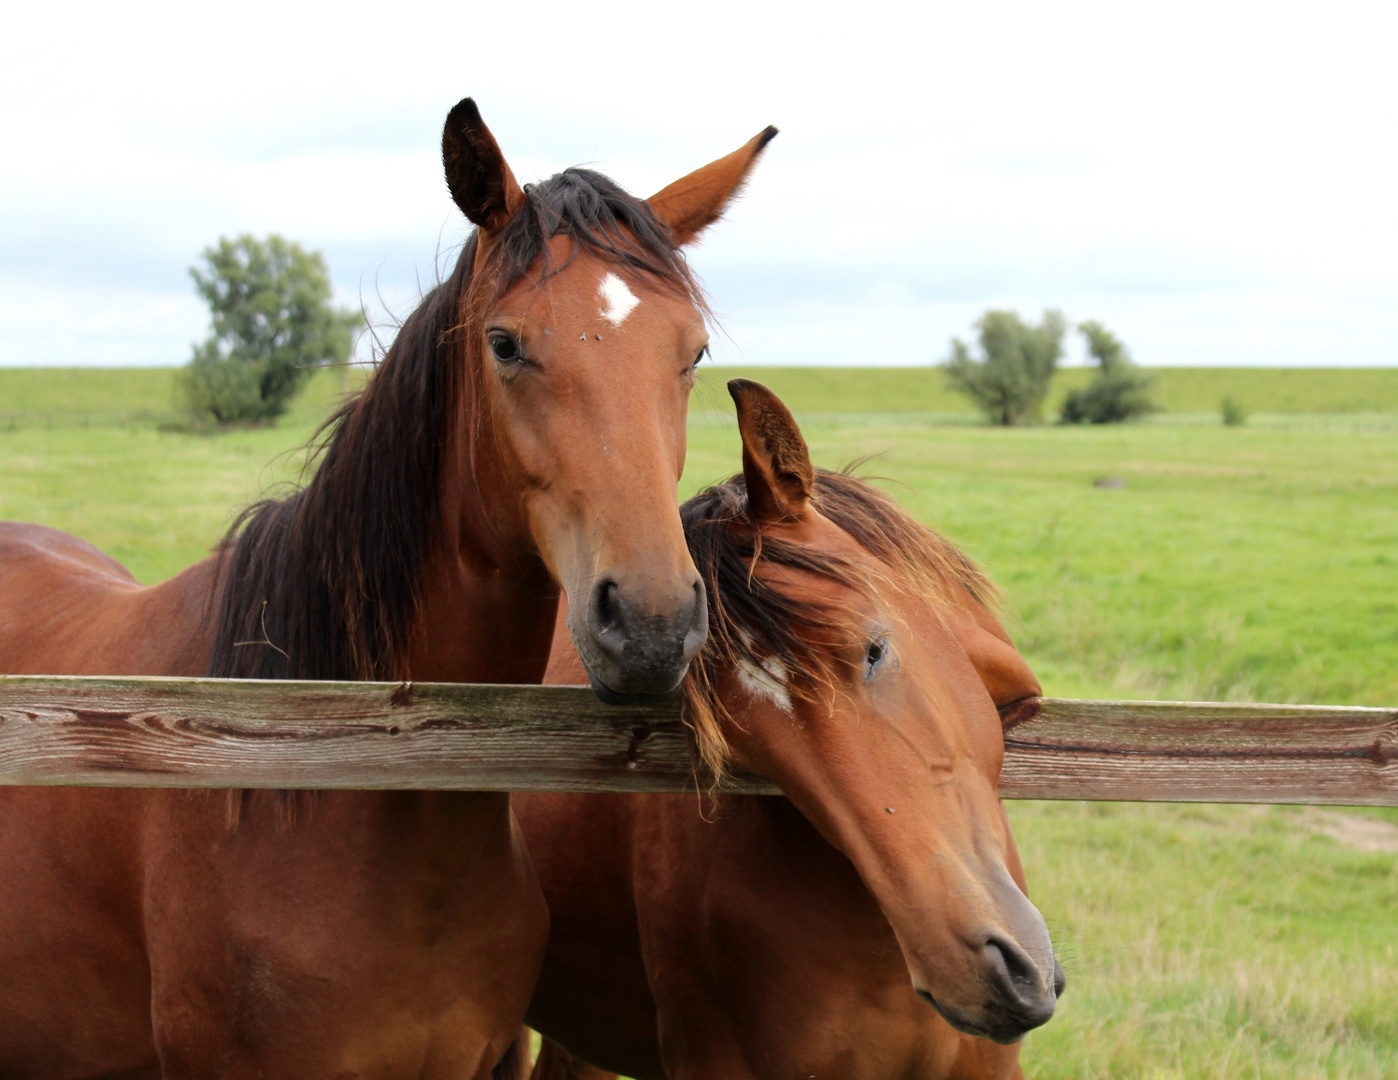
[524, 431]
[871, 924]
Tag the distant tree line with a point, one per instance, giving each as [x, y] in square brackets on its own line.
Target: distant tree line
[1011, 376]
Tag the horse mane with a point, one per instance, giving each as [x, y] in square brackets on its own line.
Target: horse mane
[751, 622]
[326, 583]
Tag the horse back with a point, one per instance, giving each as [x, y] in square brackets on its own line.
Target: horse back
[67, 608]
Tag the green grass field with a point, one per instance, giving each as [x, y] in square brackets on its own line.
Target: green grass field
[1255, 563]
[1193, 393]
[96, 397]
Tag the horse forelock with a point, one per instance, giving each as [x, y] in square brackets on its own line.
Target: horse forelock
[756, 624]
[603, 220]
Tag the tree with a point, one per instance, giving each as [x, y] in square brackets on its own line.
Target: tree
[1010, 380]
[272, 323]
[1119, 390]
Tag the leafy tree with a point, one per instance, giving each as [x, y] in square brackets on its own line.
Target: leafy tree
[1011, 378]
[1119, 391]
[272, 323]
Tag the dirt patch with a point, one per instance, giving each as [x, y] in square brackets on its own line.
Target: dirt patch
[1352, 830]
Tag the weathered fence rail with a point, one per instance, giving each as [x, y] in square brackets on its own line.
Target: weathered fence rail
[157, 732]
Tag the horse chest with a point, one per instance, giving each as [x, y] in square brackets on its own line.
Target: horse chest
[376, 933]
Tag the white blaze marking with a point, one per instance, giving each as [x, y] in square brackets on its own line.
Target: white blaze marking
[618, 301]
[765, 681]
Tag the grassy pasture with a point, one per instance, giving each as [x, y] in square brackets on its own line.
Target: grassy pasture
[1256, 563]
[1235, 563]
[69, 397]
[1191, 392]
[78, 397]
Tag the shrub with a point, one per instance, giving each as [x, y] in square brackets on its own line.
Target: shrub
[1119, 391]
[272, 323]
[1011, 378]
[1235, 414]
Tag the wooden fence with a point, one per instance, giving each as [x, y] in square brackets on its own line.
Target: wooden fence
[164, 732]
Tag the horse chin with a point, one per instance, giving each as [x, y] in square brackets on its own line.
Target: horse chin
[1013, 1008]
[1005, 1029]
[612, 697]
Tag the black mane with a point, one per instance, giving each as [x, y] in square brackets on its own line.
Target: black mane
[326, 584]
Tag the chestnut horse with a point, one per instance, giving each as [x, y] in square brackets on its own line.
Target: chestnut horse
[871, 924]
[526, 428]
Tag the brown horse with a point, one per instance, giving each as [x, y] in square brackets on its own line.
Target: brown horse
[526, 428]
[853, 661]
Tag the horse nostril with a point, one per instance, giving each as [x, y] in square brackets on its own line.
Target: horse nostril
[1060, 981]
[698, 621]
[607, 611]
[1011, 967]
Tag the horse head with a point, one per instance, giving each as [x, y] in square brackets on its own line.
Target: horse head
[581, 329]
[852, 662]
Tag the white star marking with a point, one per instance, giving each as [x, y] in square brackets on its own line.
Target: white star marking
[765, 681]
[618, 301]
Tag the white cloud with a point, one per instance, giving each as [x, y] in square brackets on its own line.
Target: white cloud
[1211, 179]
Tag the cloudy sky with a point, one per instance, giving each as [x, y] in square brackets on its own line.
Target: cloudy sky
[1215, 181]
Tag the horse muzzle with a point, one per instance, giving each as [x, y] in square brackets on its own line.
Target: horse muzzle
[999, 982]
[636, 645]
[1019, 995]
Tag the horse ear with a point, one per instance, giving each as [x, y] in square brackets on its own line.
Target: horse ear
[776, 464]
[694, 202]
[481, 183]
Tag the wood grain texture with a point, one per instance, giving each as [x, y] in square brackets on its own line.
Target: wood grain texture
[159, 732]
[173, 732]
[1182, 751]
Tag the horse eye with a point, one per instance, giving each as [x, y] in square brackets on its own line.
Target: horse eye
[874, 656]
[505, 347]
[690, 372]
